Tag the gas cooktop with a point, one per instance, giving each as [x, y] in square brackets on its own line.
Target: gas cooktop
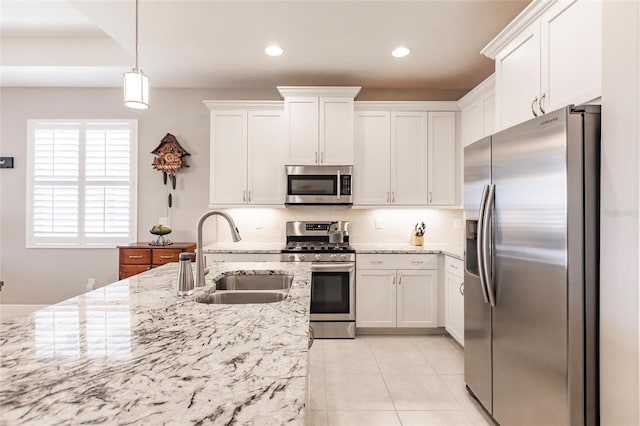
[317, 247]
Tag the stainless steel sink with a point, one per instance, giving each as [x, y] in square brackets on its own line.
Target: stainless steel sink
[254, 282]
[236, 297]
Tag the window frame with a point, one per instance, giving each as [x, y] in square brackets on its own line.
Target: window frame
[81, 241]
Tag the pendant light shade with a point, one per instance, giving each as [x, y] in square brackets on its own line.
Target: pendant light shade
[136, 89]
[136, 83]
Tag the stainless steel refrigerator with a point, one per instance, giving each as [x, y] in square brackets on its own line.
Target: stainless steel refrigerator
[531, 200]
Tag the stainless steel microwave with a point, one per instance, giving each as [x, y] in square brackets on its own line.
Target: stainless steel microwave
[328, 185]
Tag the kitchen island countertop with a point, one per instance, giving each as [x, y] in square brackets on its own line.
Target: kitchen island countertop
[133, 352]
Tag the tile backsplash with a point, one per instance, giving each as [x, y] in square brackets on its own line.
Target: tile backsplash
[443, 226]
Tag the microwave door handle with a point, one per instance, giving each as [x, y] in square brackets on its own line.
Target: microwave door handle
[338, 191]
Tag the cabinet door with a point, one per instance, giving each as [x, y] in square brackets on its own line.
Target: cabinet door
[228, 172]
[336, 131]
[417, 298]
[442, 159]
[472, 123]
[265, 158]
[571, 53]
[372, 150]
[302, 130]
[518, 77]
[375, 298]
[408, 158]
[454, 305]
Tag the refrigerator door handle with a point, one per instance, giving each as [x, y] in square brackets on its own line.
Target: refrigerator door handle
[479, 246]
[486, 241]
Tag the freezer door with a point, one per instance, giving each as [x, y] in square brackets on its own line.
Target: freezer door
[477, 313]
[530, 371]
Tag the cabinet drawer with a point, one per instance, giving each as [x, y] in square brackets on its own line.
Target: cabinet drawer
[135, 256]
[454, 266]
[397, 261]
[160, 257]
[127, 271]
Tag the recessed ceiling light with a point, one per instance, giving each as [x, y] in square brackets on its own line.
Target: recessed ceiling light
[274, 50]
[400, 52]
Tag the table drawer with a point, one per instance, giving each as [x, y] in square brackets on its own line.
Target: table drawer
[397, 261]
[127, 271]
[454, 266]
[135, 256]
[160, 257]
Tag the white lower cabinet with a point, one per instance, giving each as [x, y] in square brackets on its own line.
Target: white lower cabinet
[454, 298]
[396, 290]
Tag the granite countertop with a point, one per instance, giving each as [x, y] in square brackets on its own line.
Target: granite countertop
[133, 352]
[406, 248]
[243, 247]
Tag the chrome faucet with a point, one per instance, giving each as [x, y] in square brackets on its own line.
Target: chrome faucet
[235, 234]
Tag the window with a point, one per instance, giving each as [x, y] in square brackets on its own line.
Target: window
[81, 183]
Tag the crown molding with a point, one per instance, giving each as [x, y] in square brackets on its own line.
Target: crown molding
[253, 105]
[407, 105]
[337, 91]
[524, 18]
[488, 86]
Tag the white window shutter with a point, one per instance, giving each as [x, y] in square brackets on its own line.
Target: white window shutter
[82, 183]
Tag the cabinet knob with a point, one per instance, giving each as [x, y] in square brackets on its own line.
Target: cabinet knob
[533, 106]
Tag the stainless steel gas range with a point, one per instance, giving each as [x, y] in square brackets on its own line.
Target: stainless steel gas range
[333, 268]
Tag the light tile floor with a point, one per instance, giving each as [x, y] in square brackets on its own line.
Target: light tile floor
[390, 381]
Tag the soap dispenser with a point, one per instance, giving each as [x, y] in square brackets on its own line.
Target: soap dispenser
[185, 283]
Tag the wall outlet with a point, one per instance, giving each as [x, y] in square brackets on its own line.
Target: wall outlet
[258, 222]
[457, 224]
[378, 222]
[91, 284]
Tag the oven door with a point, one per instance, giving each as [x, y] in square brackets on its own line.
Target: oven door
[333, 292]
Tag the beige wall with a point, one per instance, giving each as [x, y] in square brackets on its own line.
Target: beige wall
[620, 232]
[43, 276]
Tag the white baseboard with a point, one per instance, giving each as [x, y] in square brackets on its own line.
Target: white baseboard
[8, 312]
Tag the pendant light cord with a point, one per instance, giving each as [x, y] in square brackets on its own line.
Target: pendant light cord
[137, 35]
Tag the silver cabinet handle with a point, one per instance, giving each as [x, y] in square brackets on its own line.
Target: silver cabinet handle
[249, 198]
[322, 157]
[134, 257]
[417, 261]
[393, 196]
[461, 289]
[316, 157]
[400, 280]
[166, 257]
[388, 199]
[452, 266]
[376, 262]
[311, 337]
[244, 196]
[430, 196]
[541, 102]
[533, 109]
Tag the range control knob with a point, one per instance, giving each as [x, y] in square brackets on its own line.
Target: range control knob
[302, 257]
[317, 257]
[332, 257]
[343, 256]
[292, 257]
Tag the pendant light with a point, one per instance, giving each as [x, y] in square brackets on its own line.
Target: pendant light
[136, 83]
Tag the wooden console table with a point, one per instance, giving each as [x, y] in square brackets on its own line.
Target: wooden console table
[140, 257]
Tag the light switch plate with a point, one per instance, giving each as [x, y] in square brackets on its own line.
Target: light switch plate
[378, 223]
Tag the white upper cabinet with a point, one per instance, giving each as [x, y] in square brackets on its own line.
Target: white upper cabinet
[319, 125]
[442, 159]
[392, 164]
[546, 58]
[477, 118]
[265, 176]
[408, 158]
[371, 166]
[246, 155]
[228, 157]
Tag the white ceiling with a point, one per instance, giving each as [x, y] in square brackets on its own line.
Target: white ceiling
[220, 44]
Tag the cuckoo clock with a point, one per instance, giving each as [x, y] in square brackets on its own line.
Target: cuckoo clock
[169, 158]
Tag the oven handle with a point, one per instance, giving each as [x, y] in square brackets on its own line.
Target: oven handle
[338, 267]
